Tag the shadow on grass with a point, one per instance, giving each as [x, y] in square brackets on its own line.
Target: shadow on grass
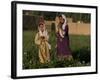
[83, 55]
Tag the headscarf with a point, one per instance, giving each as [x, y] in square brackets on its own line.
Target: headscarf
[41, 22]
[65, 22]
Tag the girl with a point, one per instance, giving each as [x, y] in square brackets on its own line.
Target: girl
[59, 27]
[63, 49]
[41, 39]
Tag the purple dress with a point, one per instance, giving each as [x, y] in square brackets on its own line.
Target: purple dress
[63, 48]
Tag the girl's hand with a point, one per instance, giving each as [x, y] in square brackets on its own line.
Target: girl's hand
[61, 39]
[56, 46]
[61, 33]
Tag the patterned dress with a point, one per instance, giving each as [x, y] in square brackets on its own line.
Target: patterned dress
[43, 45]
[63, 49]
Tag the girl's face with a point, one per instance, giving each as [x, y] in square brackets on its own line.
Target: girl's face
[61, 20]
[41, 27]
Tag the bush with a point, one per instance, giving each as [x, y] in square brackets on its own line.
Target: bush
[30, 22]
[83, 55]
[53, 26]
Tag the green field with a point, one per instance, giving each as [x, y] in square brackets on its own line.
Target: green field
[79, 44]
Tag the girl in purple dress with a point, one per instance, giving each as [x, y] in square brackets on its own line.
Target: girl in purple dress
[63, 49]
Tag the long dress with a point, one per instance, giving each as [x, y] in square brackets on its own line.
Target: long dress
[63, 49]
[43, 45]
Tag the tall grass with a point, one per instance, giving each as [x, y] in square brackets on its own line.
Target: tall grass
[79, 44]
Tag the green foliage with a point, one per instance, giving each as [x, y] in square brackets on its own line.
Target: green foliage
[53, 26]
[83, 55]
[30, 21]
[80, 47]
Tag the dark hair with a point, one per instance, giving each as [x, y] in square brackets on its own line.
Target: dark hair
[60, 15]
[41, 19]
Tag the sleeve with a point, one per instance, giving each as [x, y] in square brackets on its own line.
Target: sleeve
[37, 40]
[47, 36]
[60, 33]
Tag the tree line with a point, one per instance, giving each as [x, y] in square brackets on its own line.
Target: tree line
[30, 18]
[84, 17]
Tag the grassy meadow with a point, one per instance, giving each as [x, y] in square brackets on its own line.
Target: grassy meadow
[79, 44]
